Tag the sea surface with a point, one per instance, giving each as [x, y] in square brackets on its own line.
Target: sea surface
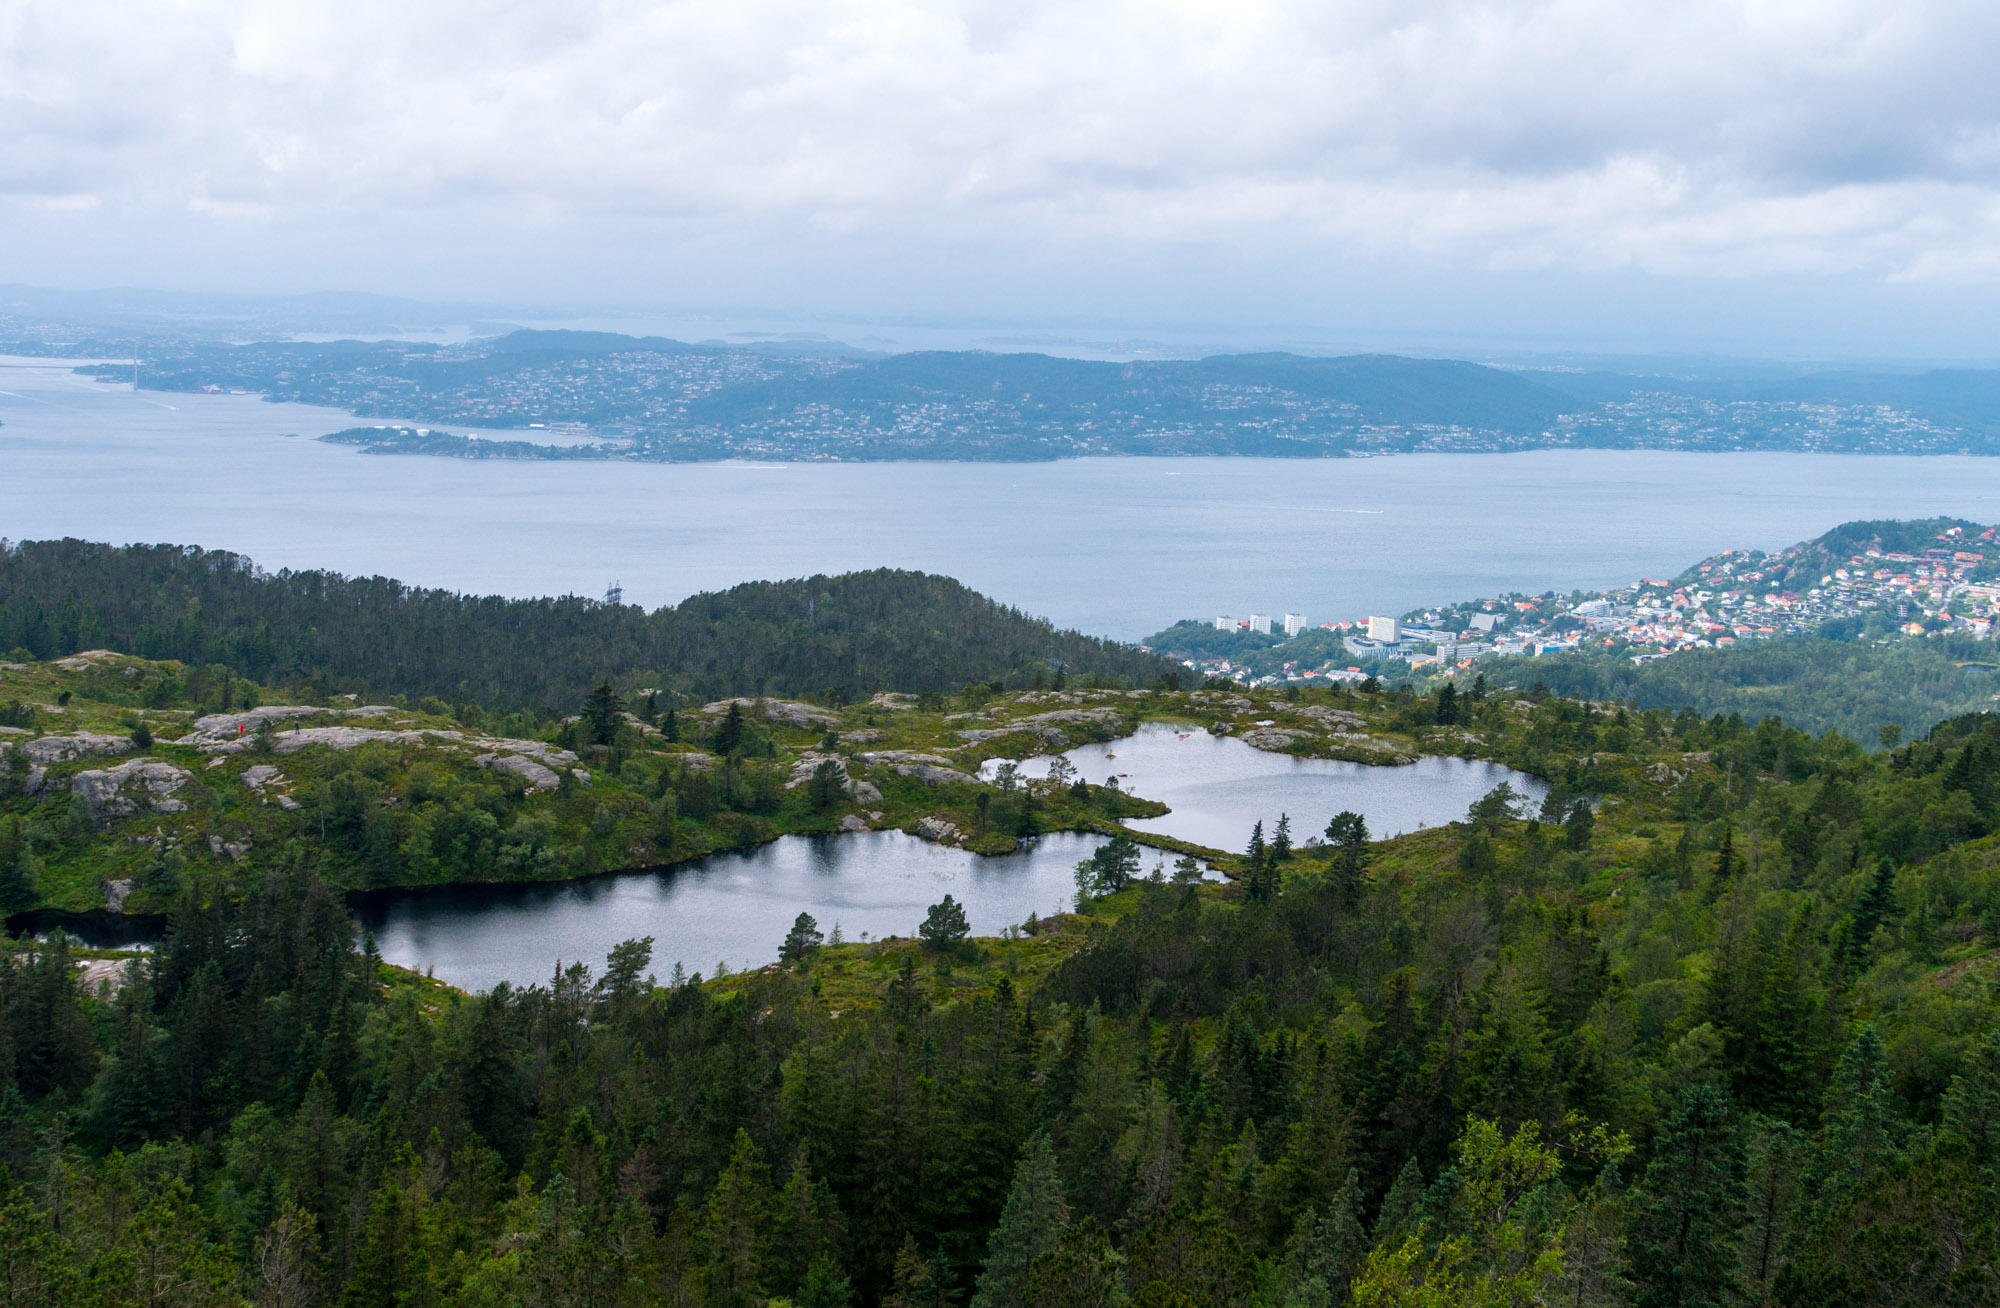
[1118, 547]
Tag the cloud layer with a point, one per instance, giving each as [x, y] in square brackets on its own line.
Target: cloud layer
[1820, 139]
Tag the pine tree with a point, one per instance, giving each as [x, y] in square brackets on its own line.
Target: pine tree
[1447, 705]
[1687, 1214]
[802, 941]
[944, 927]
[1281, 840]
[1030, 1224]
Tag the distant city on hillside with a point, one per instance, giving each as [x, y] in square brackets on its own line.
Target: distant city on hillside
[598, 395]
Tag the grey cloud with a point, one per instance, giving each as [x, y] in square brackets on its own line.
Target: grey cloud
[1707, 136]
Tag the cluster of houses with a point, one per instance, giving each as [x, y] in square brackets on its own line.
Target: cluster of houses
[1735, 596]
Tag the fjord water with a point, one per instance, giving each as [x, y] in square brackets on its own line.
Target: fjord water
[1119, 547]
[1217, 786]
[730, 908]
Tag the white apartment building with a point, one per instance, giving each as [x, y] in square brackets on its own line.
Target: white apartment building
[1225, 623]
[1294, 624]
[1260, 623]
[1386, 630]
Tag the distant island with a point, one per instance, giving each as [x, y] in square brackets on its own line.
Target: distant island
[655, 399]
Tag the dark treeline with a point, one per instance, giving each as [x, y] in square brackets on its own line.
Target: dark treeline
[1693, 1047]
[850, 634]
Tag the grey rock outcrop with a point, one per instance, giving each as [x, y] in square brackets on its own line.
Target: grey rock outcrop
[150, 782]
[536, 774]
[291, 742]
[1276, 739]
[931, 769]
[227, 726]
[786, 712]
[1047, 728]
[61, 749]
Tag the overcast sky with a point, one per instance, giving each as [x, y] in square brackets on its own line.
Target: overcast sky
[1791, 177]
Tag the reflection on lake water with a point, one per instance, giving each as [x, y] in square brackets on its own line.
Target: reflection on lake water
[1218, 786]
[732, 908]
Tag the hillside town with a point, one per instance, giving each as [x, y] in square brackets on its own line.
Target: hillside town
[1729, 598]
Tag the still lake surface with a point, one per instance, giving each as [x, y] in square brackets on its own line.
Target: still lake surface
[737, 907]
[1218, 786]
[1119, 547]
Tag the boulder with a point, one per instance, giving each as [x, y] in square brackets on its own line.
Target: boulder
[854, 822]
[116, 892]
[260, 775]
[233, 850]
[938, 831]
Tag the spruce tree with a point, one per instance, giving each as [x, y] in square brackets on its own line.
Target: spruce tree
[601, 713]
[1972, 1105]
[17, 882]
[1688, 1211]
[1858, 1126]
[1030, 1224]
[729, 732]
[1877, 904]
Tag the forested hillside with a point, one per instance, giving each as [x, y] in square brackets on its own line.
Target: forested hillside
[1812, 682]
[1713, 1025]
[852, 634]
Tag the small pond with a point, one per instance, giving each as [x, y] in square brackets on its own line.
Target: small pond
[1218, 786]
[731, 908]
